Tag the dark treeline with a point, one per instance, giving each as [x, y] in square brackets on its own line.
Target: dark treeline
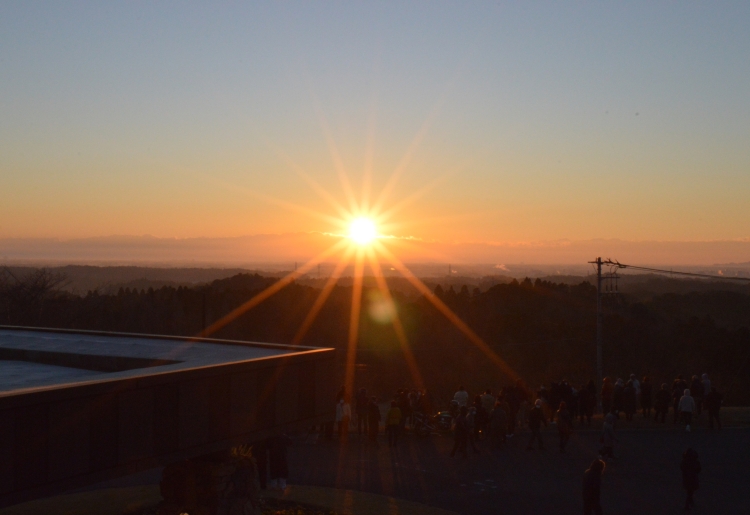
[544, 331]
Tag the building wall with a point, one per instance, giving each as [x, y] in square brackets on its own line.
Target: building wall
[54, 439]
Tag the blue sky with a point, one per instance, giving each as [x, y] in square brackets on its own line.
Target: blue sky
[568, 120]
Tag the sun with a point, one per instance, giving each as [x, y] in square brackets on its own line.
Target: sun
[362, 230]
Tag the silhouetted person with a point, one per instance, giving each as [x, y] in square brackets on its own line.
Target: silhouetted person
[678, 387]
[360, 408]
[277, 460]
[536, 419]
[696, 391]
[607, 391]
[471, 424]
[629, 400]
[260, 453]
[461, 396]
[687, 408]
[393, 424]
[618, 395]
[663, 396]
[460, 433]
[713, 403]
[498, 424]
[690, 467]
[585, 404]
[564, 425]
[646, 397]
[343, 416]
[373, 419]
[592, 485]
[609, 437]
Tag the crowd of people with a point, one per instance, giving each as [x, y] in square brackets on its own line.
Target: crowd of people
[499, 416]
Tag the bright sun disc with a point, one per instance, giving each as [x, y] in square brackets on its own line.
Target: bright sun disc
[362, 230]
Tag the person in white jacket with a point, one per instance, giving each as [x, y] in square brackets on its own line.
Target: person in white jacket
[343, 416]
[461, 397]
[687, 407]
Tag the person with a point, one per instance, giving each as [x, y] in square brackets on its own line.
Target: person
[480, 416]
[521, 395]
[373, 419]
[607, 391]
[706, 384]
[690, 468]
[393, 423]
[592, 484]
[471, 424]
[678, 387]
[260, 453]
[687, 407]
[564, 424]
[277, 461]
[662, 403]
[713, 404]
[343, 416]
[584, 399]
[646, 397]
[361, 406]
[488, 404]
[460, 433]
[536, 419]
[461, 396]
[505, 406]
[618, 395]
[629, 400]
[696, 391]
[637, 386]
[609, 437]
[498, 424]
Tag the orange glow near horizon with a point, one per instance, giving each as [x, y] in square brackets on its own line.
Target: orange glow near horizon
[359, 223]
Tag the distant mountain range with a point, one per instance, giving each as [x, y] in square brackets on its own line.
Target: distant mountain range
[281, 251]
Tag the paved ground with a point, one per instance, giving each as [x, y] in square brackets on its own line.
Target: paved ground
[644, 479]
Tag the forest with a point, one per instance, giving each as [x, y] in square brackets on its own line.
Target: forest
[542, 330]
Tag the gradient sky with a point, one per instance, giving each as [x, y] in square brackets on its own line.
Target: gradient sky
[552, 120]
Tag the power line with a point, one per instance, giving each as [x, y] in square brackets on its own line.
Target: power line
[672, 272]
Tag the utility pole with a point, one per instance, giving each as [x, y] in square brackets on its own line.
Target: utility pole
[599, 372]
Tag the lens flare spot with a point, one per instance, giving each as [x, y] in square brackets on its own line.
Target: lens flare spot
[381, 309]
[362, 230]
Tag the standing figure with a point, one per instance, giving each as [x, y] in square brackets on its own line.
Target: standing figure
[687, 407]
[696, 390]
[536, 419]
[678, 387]
[690, 467]
[662, 403]
[713, 404]
[607, 391]
[460, 433]
[609, 437]
[373, 419]
[343, 416]
[564, 425]
[646, 397]
[393, 424]
[360, 408]
[592, 484]
[277, 460]
[629, 400]
[461, 396]
[498, 424]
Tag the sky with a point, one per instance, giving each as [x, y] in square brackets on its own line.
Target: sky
[508, 123]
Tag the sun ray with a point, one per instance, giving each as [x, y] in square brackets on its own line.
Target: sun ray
[336, 157]
[322, 297]
[271, 290]
[447, 312]
[398, 327]
[351, 349]
[322, 192]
